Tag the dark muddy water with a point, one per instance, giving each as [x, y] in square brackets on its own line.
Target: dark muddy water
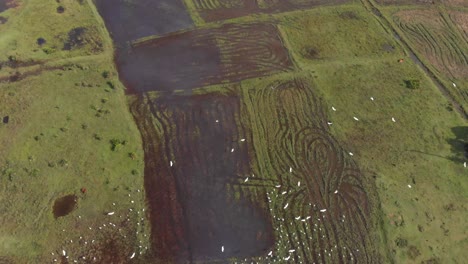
[197, 206]
[3, 5]
[208, 170]
[197, 58]
[64, 205]
[176, 63]
[128, 20]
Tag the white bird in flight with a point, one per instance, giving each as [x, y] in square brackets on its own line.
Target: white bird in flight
[286, 206]
[393, 119]
[171, 163]
[355, 118]
[323, 210]
[222, 248]
[372, 98]
[133, 255]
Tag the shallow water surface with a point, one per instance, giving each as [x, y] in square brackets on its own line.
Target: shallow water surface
[64, 205]
[128, 20]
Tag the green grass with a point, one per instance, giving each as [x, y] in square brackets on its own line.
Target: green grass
[335, 33]
[61, 131]
[59, 137]
[34, 19]
[437, 42]
[50, 149]
[414, 148]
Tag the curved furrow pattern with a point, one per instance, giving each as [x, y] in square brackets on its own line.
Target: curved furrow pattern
[320, 204]
[213, 10]
[187, 60]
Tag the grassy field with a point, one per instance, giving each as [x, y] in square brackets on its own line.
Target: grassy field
[439, 44]
[327, 34]
[70, 128]
[415, 150]
[58, 140]
[75, 32]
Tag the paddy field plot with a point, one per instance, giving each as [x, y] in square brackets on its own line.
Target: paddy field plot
[183, 61]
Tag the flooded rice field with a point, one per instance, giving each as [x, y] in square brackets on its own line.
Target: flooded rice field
[243, 172]
[198, 156]
[128, 20]
[202, 57]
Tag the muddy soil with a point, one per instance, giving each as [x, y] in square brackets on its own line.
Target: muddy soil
[64, 205]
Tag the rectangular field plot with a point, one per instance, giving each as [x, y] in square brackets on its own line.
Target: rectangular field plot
[347, 33]
[423, 2]
[131, 20]
[195, 166]
[197, 58]
[320, 201]
[440, 43]
[214, 10]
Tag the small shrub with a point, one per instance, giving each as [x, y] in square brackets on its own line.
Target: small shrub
[84, 126]
[105, 74]
[104, 100]
[63, 162]
[63, 129]
[413, 252]
[401, 242]
[41, 41]
[60, 9]
[134, 172]
[110, 84]
[412, 84]
[48, 50]
[132, 155]
[116, 143]
[97, 137]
